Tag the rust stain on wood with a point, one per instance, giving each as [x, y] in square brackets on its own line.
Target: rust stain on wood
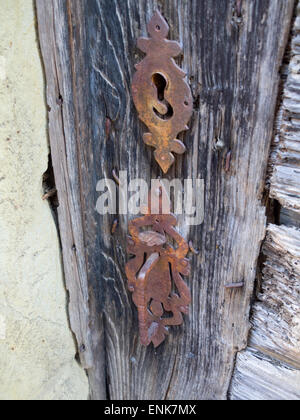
[228, 161]
[114, 226]
[107, 126]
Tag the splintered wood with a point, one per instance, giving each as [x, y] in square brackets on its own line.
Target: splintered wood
[270, 367]
[285, 181]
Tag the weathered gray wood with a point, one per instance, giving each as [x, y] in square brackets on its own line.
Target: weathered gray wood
[275, 334]
[259, 377]
[276, 315]
[232, 55]
[289, 217]
[88, 328]
[285, 180]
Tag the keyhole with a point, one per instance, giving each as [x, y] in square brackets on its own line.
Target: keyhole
[161, 83]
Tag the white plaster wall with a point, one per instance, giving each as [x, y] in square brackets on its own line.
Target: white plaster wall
[36, 346]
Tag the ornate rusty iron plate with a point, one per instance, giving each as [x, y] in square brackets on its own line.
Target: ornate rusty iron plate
[155, 271]
[162, 97]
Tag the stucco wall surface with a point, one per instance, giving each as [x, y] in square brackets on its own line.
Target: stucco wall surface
[36, 346]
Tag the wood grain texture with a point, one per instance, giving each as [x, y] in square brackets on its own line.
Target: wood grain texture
[259, 377]
[87, 327]
[276, 314]
[269, 369]
[232, 60]
[289, 217]
[285, 180]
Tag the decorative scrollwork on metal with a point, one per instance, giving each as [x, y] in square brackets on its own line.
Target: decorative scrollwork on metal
[154, 271]
[161, 95]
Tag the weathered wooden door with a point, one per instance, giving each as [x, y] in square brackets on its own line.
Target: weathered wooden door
[232, 52]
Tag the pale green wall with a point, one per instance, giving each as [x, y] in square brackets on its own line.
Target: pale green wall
[36, 346]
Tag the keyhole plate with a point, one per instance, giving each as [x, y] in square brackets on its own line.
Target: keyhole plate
[161, 94]
[156, 268]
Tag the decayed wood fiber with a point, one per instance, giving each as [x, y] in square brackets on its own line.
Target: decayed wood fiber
[269, 368]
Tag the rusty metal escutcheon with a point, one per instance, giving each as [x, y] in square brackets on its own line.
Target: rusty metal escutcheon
[156, 271]
[162, 97]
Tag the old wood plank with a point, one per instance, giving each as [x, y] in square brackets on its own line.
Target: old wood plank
[54, 37]
[276, 314]
[275, 334]
[259, 377]
[285, 180]
[232, 60]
